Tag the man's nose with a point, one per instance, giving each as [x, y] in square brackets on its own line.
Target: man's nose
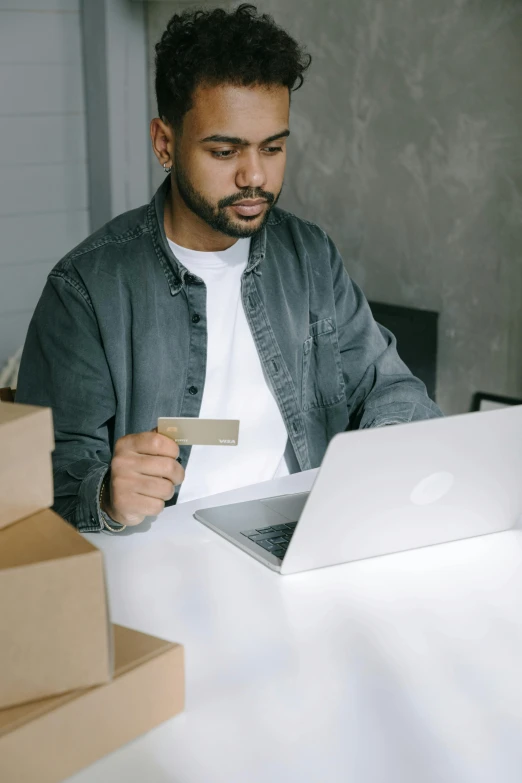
[251, 172]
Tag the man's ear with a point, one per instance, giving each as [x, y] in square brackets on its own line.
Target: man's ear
[162, 139]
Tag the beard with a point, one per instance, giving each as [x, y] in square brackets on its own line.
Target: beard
[215, 215]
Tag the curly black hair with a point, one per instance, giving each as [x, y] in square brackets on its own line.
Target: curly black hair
[239, 47]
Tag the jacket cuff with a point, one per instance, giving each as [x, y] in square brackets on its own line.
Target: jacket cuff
[87, 517]
[398, 413]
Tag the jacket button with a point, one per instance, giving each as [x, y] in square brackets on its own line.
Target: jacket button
[196, 318]
[193, 390]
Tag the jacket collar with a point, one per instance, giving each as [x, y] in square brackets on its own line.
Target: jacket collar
[174, 270]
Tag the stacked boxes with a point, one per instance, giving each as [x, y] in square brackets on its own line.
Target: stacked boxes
[26, 443]
[54, 625]
[64, 700]
[46, 741]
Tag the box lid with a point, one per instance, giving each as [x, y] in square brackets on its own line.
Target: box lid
[131, 648]
[38, 538]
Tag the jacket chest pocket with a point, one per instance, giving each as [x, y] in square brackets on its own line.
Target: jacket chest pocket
[322, 380]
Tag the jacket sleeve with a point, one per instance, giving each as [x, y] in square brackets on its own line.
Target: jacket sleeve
[64, 367]
[380, 389]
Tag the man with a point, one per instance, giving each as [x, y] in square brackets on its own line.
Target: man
[209, 302]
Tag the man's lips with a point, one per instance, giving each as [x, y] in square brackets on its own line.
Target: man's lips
[254, 207]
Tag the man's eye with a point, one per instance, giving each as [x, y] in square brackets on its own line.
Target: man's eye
[222, 153]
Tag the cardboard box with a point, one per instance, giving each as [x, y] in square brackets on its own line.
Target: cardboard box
[55, 633]
[26, 443]
[47, 741]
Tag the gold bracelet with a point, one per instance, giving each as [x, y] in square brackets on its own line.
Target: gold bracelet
[104, 514]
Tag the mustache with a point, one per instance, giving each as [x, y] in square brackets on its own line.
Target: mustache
[248, 193]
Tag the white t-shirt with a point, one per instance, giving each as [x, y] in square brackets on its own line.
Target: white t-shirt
[235, 385]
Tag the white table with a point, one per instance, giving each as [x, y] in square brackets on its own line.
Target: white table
[400, 669]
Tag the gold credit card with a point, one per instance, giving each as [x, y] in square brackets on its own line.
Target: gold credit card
[200, 432]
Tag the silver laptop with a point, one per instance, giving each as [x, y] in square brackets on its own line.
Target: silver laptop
[386, 490]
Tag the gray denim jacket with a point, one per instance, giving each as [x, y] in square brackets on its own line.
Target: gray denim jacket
[119, 338]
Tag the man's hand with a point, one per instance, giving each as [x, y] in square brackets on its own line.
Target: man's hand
[144, 474]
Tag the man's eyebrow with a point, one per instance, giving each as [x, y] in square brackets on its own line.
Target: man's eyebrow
[242, 142]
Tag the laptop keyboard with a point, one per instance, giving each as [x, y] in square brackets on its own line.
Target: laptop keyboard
[274, 539]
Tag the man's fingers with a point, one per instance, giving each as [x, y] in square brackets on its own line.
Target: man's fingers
[159, 488]
[133, 506]
[162, 467]
[144, 475]
[146, 506]
[153, 444]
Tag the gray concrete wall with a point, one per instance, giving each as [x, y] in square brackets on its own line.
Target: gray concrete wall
[407, 148]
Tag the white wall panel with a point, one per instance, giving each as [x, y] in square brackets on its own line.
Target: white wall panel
[47, 89]
[22, 284]
[52, 188]
[39, 37]
[13, 328]
[43, 167]
[33, 237]
[40, 5]
[46, 139]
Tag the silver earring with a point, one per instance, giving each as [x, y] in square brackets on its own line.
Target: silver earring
[167, 169]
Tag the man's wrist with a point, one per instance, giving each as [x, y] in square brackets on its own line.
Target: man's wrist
[104, 500]
[105, 493]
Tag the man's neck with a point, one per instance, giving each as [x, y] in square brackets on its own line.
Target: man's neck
[184, 228]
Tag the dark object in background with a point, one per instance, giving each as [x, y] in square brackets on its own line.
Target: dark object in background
[416, 332]
[482, 401]
[7, 394]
